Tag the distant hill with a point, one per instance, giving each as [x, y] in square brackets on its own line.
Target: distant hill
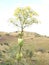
[39, 41]
[14, 35]
[27, 34]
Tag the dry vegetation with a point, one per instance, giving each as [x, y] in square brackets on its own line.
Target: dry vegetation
[37, 43]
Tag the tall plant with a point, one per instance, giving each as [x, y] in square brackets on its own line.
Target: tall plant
[23, 17]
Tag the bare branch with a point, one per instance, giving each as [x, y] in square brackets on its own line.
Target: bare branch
[16, 24]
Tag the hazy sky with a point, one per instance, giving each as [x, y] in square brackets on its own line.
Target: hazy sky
[7, 8]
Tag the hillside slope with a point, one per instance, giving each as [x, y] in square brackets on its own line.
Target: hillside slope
[33, 39]
[38, 44]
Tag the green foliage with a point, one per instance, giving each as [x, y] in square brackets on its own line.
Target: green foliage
[19, 56]
[24, 17]
[13, 56]
[20, 42]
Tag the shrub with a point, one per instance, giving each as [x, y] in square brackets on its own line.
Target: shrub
[40, 50]
[7, 34]
[29, 53]
[1, 44]
[6, 44]
[37, 35]
[0, 35]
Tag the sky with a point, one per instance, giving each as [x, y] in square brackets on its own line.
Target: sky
[7, 8]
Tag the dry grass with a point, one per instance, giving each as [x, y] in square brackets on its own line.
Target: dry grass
[32, 41]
